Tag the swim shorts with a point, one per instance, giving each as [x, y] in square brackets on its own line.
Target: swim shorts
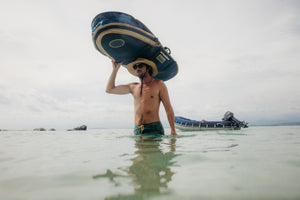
[154, 129]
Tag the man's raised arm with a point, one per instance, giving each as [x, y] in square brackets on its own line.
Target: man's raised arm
[111, 88]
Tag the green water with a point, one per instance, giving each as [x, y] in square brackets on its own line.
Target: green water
[254, 163]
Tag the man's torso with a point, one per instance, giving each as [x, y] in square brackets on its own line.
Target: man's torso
[146, 106]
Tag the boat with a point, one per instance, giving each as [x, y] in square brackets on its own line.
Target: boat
[123, 38]
[229, 122]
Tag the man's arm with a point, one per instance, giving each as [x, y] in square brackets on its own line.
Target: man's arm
[164, 95]
[111, 88]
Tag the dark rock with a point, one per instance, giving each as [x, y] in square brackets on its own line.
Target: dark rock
[80, 128]
[39, 129]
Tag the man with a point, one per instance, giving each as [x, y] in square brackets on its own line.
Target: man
[147, 97]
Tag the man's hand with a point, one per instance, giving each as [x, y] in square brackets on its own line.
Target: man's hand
[116, 66]
[173, 133]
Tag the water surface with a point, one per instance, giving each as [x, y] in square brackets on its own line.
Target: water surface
[253, 163]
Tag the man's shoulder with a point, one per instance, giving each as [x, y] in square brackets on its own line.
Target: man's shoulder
[160, 82]
[133, 84]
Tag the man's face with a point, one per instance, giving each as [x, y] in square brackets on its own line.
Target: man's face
[141, 70]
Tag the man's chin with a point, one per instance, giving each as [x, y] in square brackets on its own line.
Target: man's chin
[141, 76]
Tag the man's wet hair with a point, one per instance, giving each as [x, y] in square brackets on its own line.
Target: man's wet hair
[150, 70]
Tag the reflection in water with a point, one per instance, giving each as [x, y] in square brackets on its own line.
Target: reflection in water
[150, 170]
[110, 175]
[151, 167]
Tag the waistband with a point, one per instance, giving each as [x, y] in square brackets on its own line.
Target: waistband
[154, 129]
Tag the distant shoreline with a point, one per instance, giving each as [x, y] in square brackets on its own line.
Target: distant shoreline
[279, 124]
[250, 125]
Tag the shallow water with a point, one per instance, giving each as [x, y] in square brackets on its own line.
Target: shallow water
[253, 163]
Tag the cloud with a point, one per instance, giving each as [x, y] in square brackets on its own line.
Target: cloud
[31, 109]
[241, 56]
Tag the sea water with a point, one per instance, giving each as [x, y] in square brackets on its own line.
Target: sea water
[253, 163]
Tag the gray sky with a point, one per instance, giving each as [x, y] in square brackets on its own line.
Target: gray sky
[237, 55]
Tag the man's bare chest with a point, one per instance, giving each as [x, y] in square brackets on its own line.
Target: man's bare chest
[147, 93]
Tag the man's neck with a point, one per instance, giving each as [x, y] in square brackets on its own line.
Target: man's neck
[147, 79]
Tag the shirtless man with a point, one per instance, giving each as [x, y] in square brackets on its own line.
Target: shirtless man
[147, 97]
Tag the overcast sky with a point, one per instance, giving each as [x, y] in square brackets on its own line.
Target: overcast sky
[237, 55]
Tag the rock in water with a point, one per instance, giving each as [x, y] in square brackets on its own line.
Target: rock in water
[80, 128]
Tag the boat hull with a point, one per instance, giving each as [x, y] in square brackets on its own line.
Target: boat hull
[185, 124]
[204, 128]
